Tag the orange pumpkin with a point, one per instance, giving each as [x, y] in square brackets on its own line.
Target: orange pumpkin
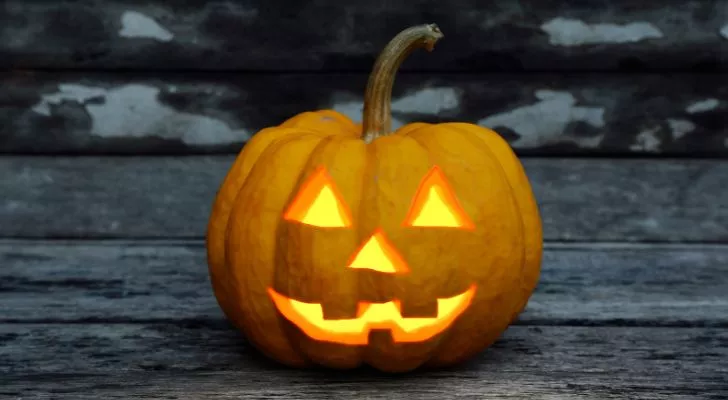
[339, 244]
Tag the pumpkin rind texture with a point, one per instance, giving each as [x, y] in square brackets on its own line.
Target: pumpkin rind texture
[340, 244]
[252, 249]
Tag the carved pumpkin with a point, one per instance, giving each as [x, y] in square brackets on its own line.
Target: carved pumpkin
[339, 244]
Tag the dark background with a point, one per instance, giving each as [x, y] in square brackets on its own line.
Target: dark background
[119, 119]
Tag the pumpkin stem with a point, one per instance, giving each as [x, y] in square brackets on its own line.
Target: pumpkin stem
[377, 118]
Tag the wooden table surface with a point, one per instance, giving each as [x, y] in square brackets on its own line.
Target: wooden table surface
[119, 119]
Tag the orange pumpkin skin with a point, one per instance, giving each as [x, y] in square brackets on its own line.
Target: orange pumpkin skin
[251, 248]
[269, 253]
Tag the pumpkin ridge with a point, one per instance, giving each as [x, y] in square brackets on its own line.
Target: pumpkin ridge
[305, 243]
[271, 148]
[312, 121]
[445, 336]
[439, 339]
[244, 161]
[224, 201]
[512, 193]
[289, 331]
[412, 128]
[491, 138]
[456, 133]
[395, 162]
[244, 291]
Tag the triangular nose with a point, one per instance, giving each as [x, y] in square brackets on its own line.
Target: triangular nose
[378, 254]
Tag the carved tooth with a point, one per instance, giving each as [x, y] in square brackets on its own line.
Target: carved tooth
[419, 309]
[340, 309]
[362, 308]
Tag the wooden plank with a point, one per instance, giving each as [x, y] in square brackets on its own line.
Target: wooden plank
[203, 361]
[120, 281]
[170, 197]
[326, 34]
[551, 114]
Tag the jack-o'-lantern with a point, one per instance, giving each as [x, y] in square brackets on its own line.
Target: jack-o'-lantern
[340, 244]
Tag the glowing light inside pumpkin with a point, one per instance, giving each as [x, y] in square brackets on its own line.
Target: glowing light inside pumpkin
[318, 203]
[309, 318]
[435, 205]
[379, 255]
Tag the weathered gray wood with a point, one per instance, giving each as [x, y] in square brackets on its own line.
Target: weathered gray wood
[538, 114]
[212, 361]
[118, 281]
[329, 34]
[170, 197]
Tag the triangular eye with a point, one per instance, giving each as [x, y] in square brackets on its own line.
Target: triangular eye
[318, 203]
[435, 205]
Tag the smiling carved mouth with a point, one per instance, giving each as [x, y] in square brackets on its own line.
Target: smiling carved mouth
[309, 317]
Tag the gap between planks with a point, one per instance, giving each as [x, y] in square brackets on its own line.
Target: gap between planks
[200, 242]
[194, 362]
[580, 200]
[128, 281]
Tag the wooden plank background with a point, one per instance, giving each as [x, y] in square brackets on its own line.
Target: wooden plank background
[202, 112]
[120, 281]
[119, 119]
[320, 35]
[189, 361]
[582, 200]
[609, 77]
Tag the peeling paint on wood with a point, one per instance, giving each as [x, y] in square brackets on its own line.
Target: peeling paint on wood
[680, 127]
[669, 200]
[137, 25]
[134, 110]
[703, 106]
[571, 32]
[537, 113]
[431, 101]
[427, 101]
[497, 35]
[647, 141]
[546, 121]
